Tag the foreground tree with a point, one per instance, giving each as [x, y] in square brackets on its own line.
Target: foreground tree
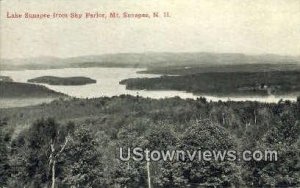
[283, 137]
[207, 136]
[39, 149]
[83, 165]
[4, 160]
[161, 137]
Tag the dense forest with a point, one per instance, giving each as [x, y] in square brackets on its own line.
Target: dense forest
[74, 142]
[223, 83]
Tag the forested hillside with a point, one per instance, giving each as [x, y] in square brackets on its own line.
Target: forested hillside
[78, 145]
[223, 83]
[25, 90]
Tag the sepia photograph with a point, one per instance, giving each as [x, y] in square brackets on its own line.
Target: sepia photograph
[149, 93]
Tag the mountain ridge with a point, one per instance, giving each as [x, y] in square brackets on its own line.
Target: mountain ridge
[145, 60]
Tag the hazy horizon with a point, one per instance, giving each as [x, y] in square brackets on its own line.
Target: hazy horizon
[152, 52]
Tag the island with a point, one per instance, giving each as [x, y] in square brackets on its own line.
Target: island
[53, 80]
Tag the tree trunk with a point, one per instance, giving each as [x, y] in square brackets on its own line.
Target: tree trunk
[148, 173]
[255, 119]
[52, 163]
[223, 119]
[53, 174]
[54, 157]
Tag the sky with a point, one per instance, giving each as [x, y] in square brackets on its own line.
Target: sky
[221, 26]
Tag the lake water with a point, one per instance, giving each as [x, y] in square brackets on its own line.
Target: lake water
[108, 84]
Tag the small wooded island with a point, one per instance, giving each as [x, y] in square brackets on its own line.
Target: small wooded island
[53, 80]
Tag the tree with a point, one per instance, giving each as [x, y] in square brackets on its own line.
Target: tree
[129, 173]
[207, 136]
[4, 160]
[83, 165]
[161, 137]
[283, 137]
[40, 148]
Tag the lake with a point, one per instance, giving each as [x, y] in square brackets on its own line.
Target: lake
[108, 84]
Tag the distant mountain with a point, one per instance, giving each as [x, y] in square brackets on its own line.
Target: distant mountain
[43, 62]
[151, 59]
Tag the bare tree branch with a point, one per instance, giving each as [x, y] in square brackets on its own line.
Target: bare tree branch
[63, 146]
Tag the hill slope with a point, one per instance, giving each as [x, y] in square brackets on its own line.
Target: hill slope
[24, 90]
